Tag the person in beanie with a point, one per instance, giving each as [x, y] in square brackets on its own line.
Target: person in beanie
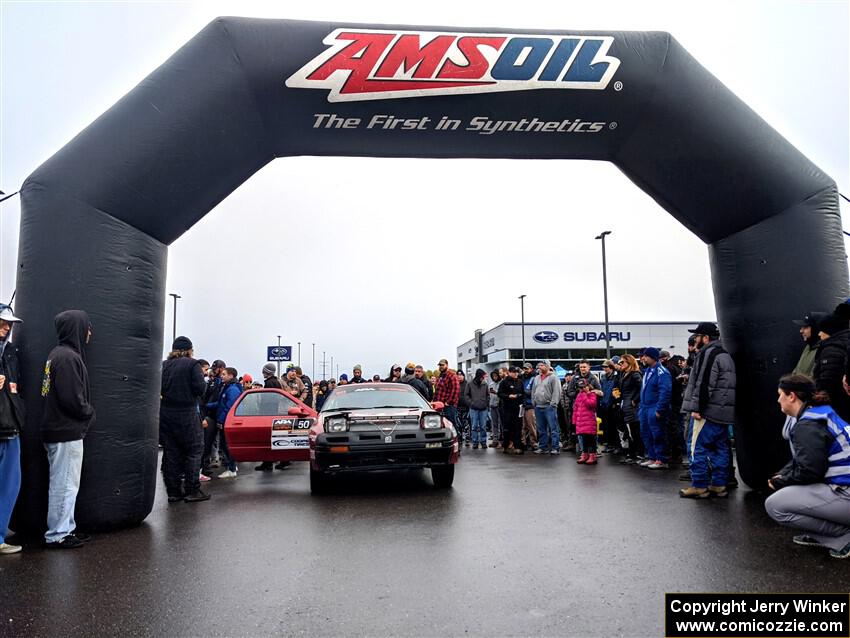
[495, 417]
[357, 375]
[529, 419]
[511, 398]
[293, 385]
[654, 406]
[710, 400]
[809, 333]
[66, 418]
[270, 379]
[229, 393]
[478, 398]
[180, 432]
[343, 379]
[11, 425]
[307, 383]
[830, 361]
[409, 369]
[545, 396]
[208, 415]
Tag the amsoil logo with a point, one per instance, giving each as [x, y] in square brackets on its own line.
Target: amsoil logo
[372, 64]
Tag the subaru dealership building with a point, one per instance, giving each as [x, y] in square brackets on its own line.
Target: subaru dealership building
[566, 344]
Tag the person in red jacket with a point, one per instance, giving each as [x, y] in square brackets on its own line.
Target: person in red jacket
[584, 418]
[447, 390]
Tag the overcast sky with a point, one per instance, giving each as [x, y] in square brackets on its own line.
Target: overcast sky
[305, 250]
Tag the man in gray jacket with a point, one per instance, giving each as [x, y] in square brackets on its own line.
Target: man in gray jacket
[545, 396]
[710, 400]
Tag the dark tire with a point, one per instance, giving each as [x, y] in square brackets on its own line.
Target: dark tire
[443, 476]
[318, 482]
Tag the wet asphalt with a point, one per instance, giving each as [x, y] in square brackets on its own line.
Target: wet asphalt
[520, 546]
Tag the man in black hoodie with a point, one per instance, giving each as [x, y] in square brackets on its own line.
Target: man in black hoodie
[830, 361]
[68, 414]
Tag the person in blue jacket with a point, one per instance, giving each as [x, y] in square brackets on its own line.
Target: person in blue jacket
[231, 391]
[655, 394]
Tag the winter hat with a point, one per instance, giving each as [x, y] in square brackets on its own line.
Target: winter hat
[181, 343]
[247, 378]
[480, 374]
[356, 368]
[410, 366]
[269, 369]
[843, 309]
[615, 359]
[343, 377]
[664, 354]
[832, 324]
[652, 353]
[218, 363]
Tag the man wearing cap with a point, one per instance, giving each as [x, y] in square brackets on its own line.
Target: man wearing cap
[710, 401]
[293, 385]
[11, 425]
[270, 379]
[529, 418]
[545, 396]
[830, 361]
[180, 431]
[67, 417]
[357, 375]
[447, 391]
[307, 383]
[809, 333]
[654, 408]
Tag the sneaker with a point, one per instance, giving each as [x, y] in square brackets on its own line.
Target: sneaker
[806, 540]
[627, 461]
[265, 466]
[539, 451]
[5, 548]
[646, 462]
[69, 542]
[475, 446]
[719, 492]
[203, 478]
[227, 474]
[685, 476]
[694, 492]
[282, 465]
[81, 536]
[555, 451]
[197, 496]
[658, 465]
[466, 444]
[844, 552]
[174, 498]
[592, 458]
[582, 458]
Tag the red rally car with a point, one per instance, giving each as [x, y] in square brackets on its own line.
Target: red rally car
[269, 425]
[381, 426]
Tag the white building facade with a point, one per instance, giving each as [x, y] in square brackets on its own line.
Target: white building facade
[566, 344]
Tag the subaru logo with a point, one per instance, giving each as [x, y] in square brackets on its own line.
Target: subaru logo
[546, 336]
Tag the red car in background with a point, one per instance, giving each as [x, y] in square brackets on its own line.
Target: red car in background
[269, 425]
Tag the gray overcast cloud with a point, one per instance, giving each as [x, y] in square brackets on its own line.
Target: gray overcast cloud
[381, 261]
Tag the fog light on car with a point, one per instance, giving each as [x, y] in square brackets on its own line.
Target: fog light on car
[339, 448]
[432, 421]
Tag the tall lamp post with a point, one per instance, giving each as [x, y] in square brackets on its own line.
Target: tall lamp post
[605, 293]
[314, 362]
[522, 318]
[174, 325]
[299, 354]
[277, 363]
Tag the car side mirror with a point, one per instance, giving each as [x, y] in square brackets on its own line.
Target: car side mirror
[296, 411]
[438, 405]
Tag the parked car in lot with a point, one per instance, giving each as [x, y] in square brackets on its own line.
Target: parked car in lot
[381, 426]
[269, 425]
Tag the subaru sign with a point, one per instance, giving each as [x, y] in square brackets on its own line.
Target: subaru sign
[279, 353]
[546, 336]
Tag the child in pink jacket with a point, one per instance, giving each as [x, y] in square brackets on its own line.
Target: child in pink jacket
[584, 418]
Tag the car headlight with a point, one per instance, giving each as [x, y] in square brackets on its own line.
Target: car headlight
[336, 424]
[432, 421]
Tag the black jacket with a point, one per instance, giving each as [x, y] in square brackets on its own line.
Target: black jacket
[677, 389]
[422, 387]
[630, 385]
[183, 383]
[68, 412]
[309, 385]
[463, 398]
[272, 382]
[507, 387]
[11, 406]
[810, 461]
[830, 362]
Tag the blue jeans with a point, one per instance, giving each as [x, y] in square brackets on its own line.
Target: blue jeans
[450, 412]
[66, 464]
[709, 445]
[548, 435]
[10, 481]
[479, 426]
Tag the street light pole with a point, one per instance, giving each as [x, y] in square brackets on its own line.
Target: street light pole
[522, 315]
[314, 362]
[174, 328]
[299, 354]
[277, 363]
[605, 294]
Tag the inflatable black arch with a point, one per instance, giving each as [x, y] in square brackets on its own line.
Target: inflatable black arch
[98, 215]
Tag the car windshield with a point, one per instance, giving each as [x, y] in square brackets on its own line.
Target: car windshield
[365, 396]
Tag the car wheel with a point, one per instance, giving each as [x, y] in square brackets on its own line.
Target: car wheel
[443, 476]
[318, 482]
